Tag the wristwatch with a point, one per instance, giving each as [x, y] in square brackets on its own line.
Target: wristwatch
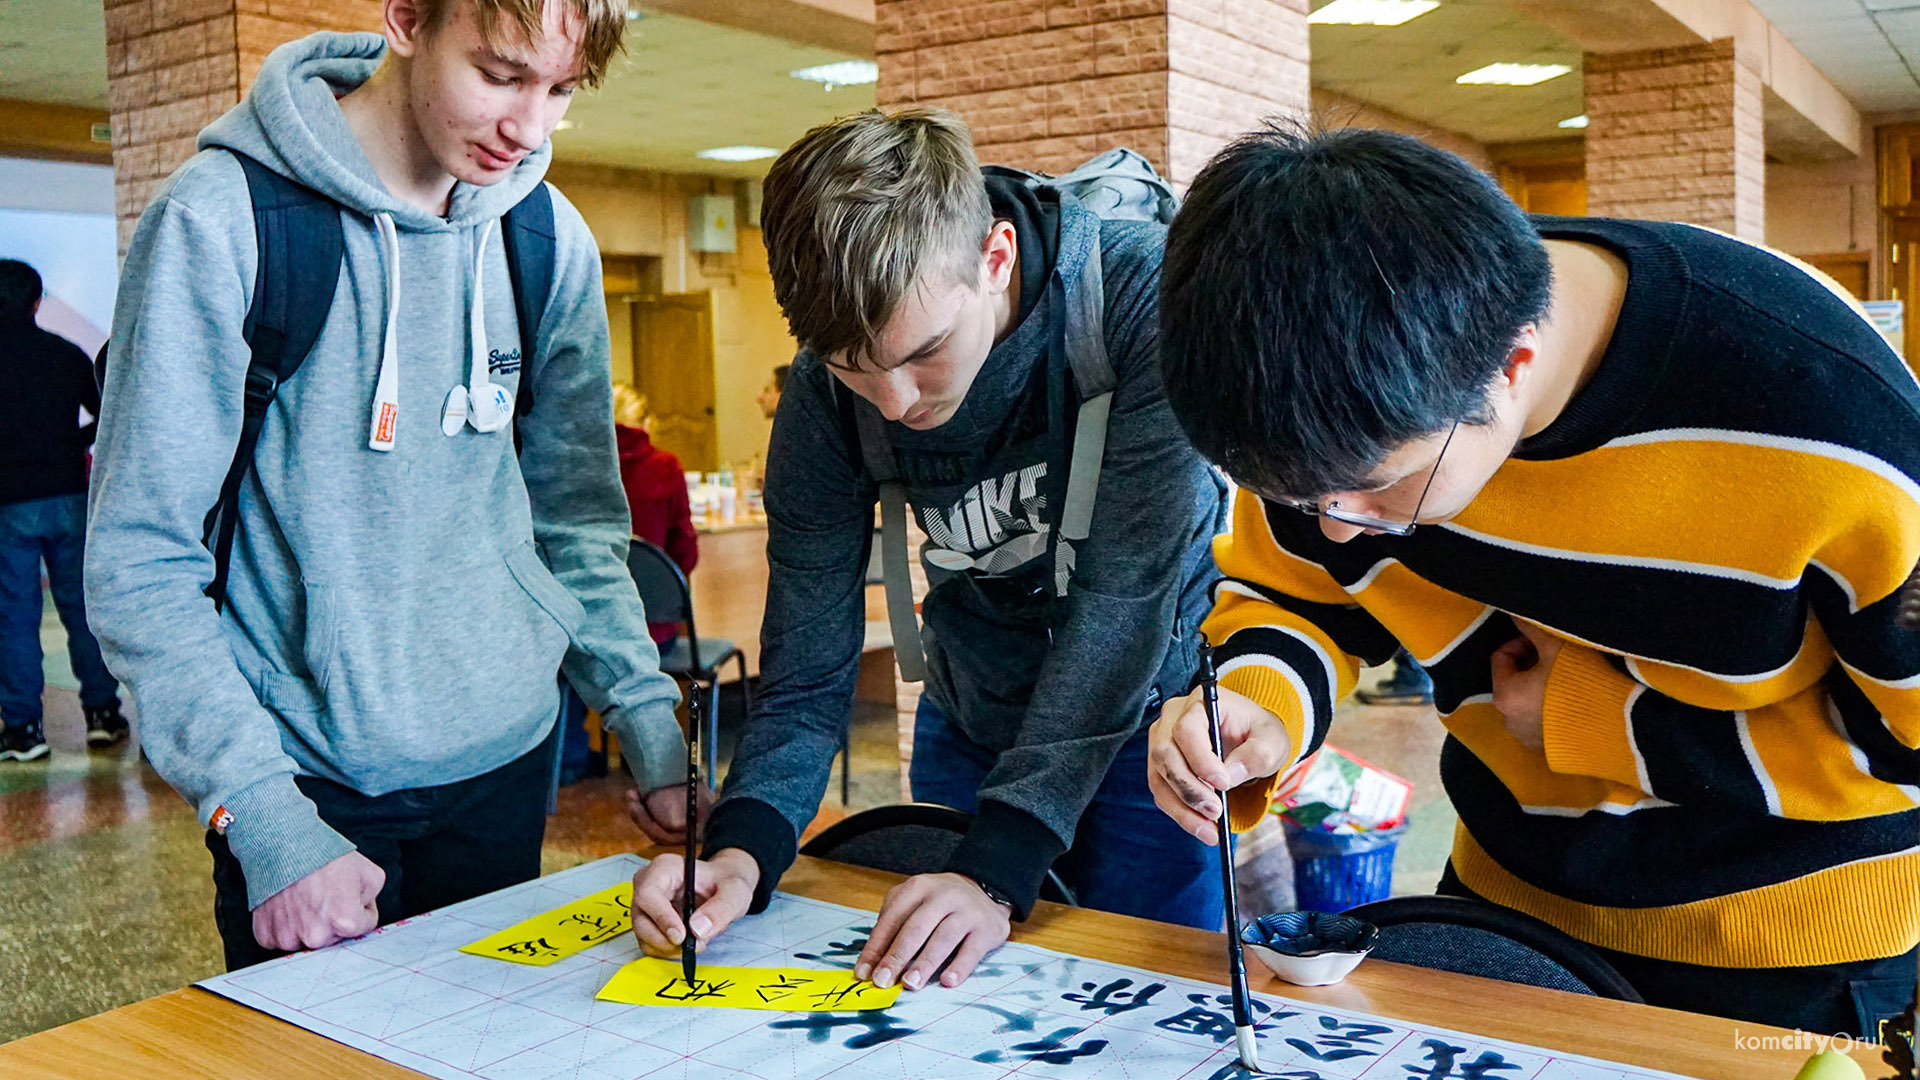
[993, 894]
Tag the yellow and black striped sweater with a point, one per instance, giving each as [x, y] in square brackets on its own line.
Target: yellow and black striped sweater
[1717, 526]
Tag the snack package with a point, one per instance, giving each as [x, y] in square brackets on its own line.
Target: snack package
[1337, 792]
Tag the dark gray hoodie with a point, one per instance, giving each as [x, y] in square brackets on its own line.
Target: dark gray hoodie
[395, 618]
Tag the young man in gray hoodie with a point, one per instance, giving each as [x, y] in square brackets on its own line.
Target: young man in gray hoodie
[936, 308]
[366, 726]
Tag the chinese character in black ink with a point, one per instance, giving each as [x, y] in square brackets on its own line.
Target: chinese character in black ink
[840, 954]
[880, 1028]
[1343, 1039]
[780, 987]
[1014, 1021]
[1048, 1050]
[1115, 997]
[537, 947]
[598, 927]
[1233, 1070]
[843, 997]
[699, 990]
[1443, 1059]
[1215, 1024]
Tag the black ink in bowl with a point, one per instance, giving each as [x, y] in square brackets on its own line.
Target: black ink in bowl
[1310, 948]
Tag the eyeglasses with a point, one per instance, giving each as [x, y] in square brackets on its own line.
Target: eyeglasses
[1367, 521]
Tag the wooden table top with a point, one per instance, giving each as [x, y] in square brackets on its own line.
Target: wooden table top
[191, 1033]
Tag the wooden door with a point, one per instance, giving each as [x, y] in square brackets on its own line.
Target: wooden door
[673, 366]
[1898, 147]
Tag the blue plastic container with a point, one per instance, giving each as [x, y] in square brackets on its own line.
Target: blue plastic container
[1334, 873]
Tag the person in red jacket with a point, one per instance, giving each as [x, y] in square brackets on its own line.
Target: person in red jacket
[656, 492]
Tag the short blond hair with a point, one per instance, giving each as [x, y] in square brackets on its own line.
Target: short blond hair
[508, 23]
[858, 211]
[629, 406]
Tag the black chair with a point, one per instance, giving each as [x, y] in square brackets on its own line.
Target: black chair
[908, 838]
[1474, 937]
[668, 598]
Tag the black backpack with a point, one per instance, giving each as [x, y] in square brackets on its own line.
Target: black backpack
[297, 234]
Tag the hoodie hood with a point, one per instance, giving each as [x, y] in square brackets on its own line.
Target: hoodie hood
[290, 121]
[635, 444]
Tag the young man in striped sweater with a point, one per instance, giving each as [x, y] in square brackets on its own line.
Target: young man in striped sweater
[1639, 496]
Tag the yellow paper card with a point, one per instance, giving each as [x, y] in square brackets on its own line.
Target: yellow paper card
[563, 931]
[653, 981]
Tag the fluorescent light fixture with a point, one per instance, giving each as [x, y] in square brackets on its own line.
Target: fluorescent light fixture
[564, 125]
[844, 73]
[738, 153]
[1512, 74]
[635, 14]
[1371, 12]
[1575, 121]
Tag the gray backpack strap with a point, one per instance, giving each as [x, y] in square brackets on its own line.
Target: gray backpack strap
[1094, 380]
[876, 452]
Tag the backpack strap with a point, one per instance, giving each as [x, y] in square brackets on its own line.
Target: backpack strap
[876, 454]
[1094, 380]
[527, 234]
[300, 246]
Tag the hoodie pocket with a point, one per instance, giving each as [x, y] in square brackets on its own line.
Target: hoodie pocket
[468, 648]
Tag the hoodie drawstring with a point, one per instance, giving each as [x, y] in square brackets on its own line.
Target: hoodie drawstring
[488, 406]
[386, 390]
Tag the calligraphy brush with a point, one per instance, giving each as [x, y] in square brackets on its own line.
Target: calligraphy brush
[695, 720]
[1902, 1033]
[1243, 1032]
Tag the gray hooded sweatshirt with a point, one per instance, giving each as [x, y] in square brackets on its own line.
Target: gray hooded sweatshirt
[395, 619]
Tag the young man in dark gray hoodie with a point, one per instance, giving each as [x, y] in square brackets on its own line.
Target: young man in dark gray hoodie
[366, 726]
[940, 301]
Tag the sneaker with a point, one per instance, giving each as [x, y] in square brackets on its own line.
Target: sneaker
[1407, 685]
[105, 725]
[23, 744]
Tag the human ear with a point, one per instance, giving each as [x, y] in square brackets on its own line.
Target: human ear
[1001, 251]
[404, 22]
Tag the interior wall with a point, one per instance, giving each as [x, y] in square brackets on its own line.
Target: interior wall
[640, 213]
[1822, 209]
[1333, 110]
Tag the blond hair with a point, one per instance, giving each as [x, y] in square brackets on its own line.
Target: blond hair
[859, 211]
[507, 24]
[629, 406]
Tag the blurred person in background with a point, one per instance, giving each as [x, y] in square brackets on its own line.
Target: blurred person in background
[46, 427]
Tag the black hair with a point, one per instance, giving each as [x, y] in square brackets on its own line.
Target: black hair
[19, 290]
[1328, 297]
[780, 378]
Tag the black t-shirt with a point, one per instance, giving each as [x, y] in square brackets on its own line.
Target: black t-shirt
[43, 444]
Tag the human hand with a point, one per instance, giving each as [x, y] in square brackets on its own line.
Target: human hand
[929, 920]
[1520, 671]
[331, 904]
[662, 812]
[723, 884]
[1187, 777]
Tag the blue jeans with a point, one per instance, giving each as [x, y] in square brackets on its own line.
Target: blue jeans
[52, 531]
[1127, 857]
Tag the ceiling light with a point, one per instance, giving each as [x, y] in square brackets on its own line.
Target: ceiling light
[844, 73]
[564, 125]
[1512, 74]
[635, 14]
[1575, 121]
[738, 153]
[1371, 12]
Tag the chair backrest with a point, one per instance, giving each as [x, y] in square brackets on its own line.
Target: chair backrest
[663, 588]
[1474, 937]
[908, 838]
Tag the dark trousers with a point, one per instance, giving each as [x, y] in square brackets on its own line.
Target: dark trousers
[438, 845]
[1829, 999]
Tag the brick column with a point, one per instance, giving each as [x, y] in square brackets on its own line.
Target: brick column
[1047, 84]
[1677, 135]
[173, 66]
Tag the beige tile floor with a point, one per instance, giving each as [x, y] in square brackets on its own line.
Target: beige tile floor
[105, 895]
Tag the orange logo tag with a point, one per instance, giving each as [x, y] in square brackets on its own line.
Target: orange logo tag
[220, 820]
[384, 431]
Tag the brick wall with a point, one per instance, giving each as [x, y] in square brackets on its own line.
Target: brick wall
[1677, 134]
[173, 66]
[1047, 84]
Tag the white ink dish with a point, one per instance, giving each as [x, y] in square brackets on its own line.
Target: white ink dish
[1310, 948]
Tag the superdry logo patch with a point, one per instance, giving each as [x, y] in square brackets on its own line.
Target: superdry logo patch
[499, 363]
